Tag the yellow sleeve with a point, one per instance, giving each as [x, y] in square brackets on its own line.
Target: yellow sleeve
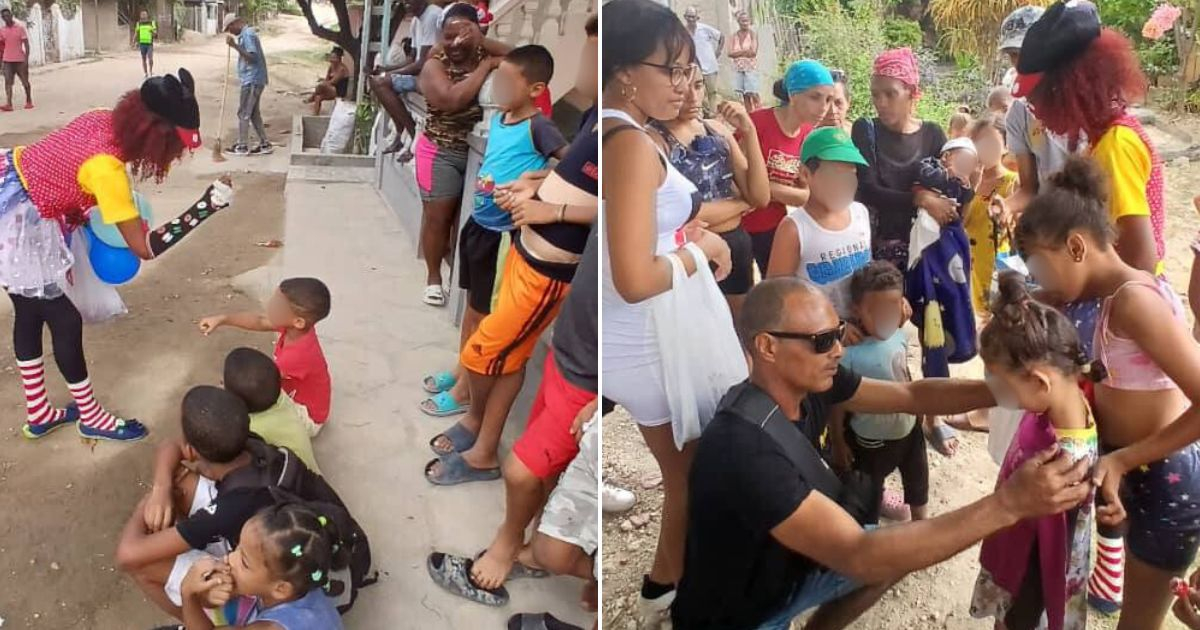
[103, 177]
[1126, 161]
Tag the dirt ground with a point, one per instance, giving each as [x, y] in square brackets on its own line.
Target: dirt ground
[938, 597]
[63, 502]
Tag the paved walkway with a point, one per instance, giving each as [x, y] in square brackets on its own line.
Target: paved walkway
[380, 341]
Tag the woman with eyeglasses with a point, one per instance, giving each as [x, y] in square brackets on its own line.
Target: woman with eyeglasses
[729, 173]
[781, 132]
[649, 208]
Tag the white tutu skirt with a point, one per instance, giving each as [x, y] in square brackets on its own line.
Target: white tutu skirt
[37, 260]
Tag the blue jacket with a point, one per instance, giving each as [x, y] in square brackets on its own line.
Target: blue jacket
[939, 289]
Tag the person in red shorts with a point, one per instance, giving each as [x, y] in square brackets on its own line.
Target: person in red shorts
[293, 312]
[565, 400]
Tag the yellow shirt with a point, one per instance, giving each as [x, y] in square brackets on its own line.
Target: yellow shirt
[1127, 162]
[283, 425]
[103, 177]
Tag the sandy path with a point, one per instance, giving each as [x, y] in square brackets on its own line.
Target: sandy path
[62, 503]
[938, 597]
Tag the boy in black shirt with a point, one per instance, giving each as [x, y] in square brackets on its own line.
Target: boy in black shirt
[156, 549]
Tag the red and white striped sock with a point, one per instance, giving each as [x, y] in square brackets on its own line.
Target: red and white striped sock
[37, 404]
[1108, 574]
[91, 414]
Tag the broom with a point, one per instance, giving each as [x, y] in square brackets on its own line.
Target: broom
[218, 154]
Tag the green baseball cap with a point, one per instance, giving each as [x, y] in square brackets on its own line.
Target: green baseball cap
[831, 144]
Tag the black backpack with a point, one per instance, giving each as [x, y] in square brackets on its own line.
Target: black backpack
[853, 491]
[281, 472]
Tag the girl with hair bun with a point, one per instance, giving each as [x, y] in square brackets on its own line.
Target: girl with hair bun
[1034, 362]
[275, 579]
[1145, 404]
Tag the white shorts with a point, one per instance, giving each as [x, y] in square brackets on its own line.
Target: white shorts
[206, 493]
[641, 392]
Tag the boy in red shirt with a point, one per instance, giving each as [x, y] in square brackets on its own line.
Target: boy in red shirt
[293, 312]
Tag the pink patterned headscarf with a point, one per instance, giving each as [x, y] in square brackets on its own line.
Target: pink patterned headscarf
[900, 64]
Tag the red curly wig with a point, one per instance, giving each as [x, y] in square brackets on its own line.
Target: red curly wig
[1088, 94]
[148, 141]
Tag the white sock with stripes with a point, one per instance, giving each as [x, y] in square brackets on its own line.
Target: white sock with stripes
[91, 414]
[1108, 574]
[37, 404]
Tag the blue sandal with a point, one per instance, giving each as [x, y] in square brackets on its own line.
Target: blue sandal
[125, 431]
[456, 470]
[439, 382]
[460, 437]
[35, 431]
[444, 406]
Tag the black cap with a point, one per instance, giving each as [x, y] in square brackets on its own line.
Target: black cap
[1060, 35]
[173, 99]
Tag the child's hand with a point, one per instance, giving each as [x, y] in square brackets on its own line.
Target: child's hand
[1186, 605]
[159, 510]
[581, 419]
[1107, 477]
[905, 311]
[854, 335]
[209, 324]
[509, 195]
[534, 212]
[210, 581]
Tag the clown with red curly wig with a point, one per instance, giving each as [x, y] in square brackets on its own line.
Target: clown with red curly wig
[1080, 80]
[49, 192]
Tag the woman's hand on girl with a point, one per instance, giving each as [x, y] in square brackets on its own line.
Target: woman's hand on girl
[1107, 477]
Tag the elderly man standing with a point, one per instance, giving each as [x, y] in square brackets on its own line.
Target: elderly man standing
[709, 44]
[772, 532]
[252, 71]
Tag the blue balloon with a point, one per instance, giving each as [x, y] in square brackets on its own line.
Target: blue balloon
[108, 232]
[113, 265]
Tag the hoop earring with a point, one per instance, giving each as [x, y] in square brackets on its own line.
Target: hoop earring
[629, 92]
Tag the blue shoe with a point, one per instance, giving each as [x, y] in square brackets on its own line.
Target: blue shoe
[1102, 605]
[125, 431]
[35, 431]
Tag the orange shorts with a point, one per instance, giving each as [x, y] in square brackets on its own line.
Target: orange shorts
[527, 303]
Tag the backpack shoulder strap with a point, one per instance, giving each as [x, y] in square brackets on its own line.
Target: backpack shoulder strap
[752, 405]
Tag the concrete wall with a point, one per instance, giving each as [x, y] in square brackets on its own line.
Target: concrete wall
[100, 28]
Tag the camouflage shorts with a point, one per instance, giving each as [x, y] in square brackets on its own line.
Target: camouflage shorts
[571, 514]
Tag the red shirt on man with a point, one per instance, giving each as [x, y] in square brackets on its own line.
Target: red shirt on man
[11, 38]
[782, 154]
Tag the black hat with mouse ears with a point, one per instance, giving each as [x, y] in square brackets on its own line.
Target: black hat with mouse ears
[175, 99]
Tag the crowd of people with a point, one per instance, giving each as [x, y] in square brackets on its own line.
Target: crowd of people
[1030, 236]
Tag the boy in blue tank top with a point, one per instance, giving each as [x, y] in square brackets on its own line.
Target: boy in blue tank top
[520, 140]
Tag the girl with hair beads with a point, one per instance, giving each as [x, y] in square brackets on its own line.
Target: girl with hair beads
[1145, 404]
[275, 579]
[1034, 361]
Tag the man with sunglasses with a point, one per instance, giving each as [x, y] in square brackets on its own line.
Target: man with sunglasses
[771, 532]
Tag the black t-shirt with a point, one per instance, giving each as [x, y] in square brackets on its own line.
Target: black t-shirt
[223, 519]
[885, 186]
[736, 575]
[576, 331]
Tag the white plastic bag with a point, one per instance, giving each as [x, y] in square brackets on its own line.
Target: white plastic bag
[700, 353]
[1002, 427]
[341, 128]
[96, 300]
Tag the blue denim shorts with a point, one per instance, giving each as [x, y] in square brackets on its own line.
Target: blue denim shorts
[404, 83]
[819, 588]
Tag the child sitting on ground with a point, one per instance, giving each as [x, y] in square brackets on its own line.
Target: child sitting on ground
[157, 550]
[828, 239]
[293, 312]
[878, 444]
[1034, 361]
[286, 557]
[520, 140]
[274, 416]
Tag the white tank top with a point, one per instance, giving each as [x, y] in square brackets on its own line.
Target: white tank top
[628, 339]
[828, 258]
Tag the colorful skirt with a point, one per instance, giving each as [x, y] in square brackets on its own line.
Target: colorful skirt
[35, 254]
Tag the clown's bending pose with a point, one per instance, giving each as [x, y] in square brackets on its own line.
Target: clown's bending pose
[46, 189]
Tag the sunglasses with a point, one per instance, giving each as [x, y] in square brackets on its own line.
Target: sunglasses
[821, 342]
